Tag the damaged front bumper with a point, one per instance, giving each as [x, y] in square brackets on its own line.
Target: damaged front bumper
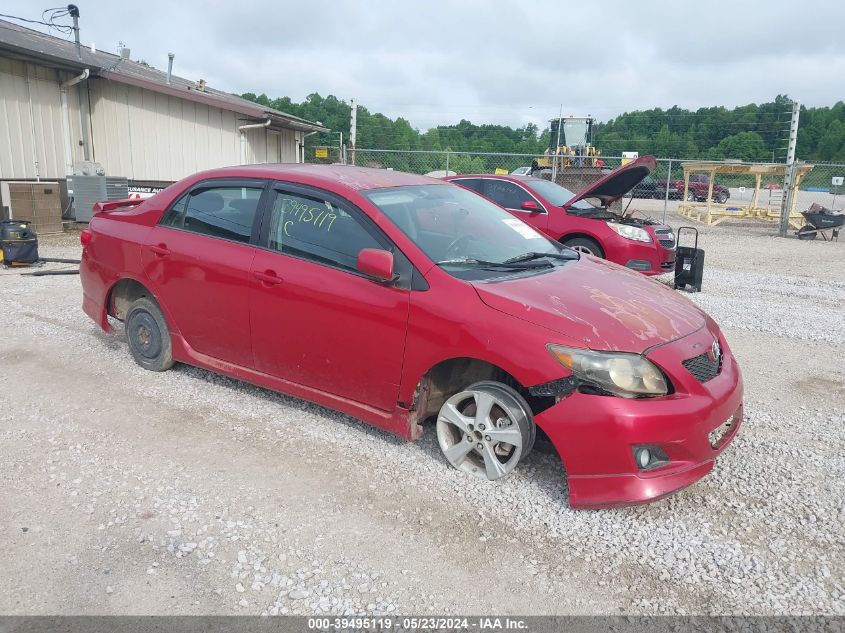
[598, 438]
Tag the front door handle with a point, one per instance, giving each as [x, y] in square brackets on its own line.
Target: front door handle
[268, 277]
[160, 249]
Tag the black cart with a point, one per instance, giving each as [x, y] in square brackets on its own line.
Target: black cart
[689, 263]
[820, 220]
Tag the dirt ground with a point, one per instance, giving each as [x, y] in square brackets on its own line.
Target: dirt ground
[124, 491]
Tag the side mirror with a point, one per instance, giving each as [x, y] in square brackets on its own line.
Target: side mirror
[376, 263]
[530, 205]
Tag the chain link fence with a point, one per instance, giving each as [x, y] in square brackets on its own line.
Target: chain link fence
[823, 184]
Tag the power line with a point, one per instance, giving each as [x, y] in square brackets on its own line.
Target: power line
[48, 21]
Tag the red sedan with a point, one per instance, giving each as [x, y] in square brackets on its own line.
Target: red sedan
[397, 299]
[585, 221]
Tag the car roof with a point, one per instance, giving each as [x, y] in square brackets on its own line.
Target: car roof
[324, 176]
[514, 177]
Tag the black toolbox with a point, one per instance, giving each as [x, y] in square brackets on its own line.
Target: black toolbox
[18, 243]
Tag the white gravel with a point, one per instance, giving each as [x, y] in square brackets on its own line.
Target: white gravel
[186, 492]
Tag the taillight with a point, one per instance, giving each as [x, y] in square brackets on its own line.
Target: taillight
[85, 237]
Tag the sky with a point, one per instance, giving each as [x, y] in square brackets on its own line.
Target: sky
[436, 62]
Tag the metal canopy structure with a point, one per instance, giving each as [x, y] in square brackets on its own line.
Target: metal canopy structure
[715, 213]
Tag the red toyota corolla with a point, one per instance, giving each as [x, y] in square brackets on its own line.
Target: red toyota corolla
[398, 298]
[585, 221]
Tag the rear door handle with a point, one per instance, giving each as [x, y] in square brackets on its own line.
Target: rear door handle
[268, 277]
[160, 249]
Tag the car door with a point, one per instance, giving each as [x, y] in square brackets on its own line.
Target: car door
[315, 319]
[198, 260]
[514, 197]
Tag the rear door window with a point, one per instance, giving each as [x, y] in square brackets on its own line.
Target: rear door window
[476, 184]
[227, 212]
[506, 194]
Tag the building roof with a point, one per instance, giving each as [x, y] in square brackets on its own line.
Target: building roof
[23, 43]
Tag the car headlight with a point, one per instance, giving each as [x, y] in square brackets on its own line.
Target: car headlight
[630, 232]
[625, 375]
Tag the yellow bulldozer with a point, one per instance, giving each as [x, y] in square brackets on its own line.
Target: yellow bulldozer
[577, 149]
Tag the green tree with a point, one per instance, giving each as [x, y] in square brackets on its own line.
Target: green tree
[745, 146]
[748, 132]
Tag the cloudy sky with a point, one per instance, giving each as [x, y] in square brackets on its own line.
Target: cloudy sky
[435, 62]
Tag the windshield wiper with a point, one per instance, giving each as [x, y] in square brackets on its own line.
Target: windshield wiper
[480, 263]
[526, 257]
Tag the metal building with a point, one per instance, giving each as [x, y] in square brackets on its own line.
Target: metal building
[61, 104]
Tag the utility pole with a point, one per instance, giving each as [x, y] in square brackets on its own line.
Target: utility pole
[353, 130]
[789, 178]
[557, 144]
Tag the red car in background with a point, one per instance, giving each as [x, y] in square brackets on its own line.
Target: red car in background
[585, 221]
[397, 299]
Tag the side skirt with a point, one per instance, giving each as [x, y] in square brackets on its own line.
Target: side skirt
[399, 421]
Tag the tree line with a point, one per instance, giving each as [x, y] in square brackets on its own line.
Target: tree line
[752, 132]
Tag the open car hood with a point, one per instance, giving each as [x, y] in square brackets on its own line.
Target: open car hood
[617, 183]
[598, 305]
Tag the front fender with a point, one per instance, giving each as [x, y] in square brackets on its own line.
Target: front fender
[440, 329]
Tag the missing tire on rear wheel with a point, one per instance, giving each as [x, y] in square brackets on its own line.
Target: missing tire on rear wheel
[148, 336]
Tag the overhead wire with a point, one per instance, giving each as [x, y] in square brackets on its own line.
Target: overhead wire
[48, 19]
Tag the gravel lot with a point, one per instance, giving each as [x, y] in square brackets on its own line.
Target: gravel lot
[126, 491]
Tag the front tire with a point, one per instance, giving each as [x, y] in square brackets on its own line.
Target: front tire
[148, 336]
[722, 198]
[690, 196]
[585, 245]
[485, 430]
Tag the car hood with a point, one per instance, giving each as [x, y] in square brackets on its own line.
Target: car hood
[598, 304]
[617, 183]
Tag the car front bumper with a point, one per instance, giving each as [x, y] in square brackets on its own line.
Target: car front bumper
[596, 437]
[648, 258]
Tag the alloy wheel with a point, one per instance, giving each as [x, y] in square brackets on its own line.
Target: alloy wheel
[484, 432]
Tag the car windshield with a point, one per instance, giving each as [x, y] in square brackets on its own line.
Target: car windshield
[467, 235]
[555, 194]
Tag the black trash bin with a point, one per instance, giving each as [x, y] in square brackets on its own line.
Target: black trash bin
[689, 262]
[18, 243]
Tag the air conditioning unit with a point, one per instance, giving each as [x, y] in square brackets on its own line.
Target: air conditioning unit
[85, 191]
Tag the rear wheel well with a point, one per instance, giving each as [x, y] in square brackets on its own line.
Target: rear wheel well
[123, 294]
[448, 377]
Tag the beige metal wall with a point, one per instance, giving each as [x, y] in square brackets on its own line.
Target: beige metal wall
[271, 146]
[136, 133]
[32, 132]
[145, 135]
